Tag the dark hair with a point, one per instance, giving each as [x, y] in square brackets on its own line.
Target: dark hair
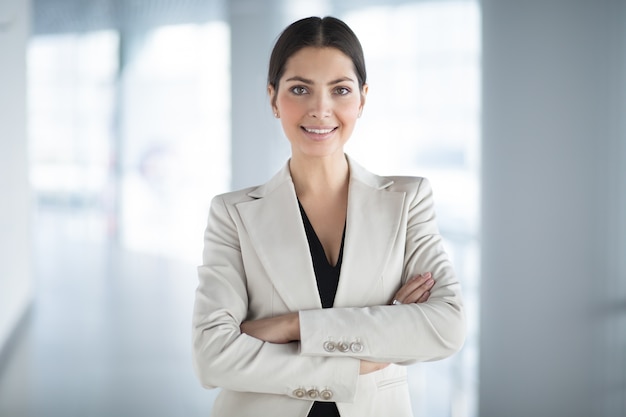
[319, 32]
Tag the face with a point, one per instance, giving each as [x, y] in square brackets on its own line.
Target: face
[318, 101]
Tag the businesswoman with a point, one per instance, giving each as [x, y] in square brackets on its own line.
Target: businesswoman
[320, 286]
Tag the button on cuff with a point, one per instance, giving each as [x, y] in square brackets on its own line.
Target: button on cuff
[312, 393]
[356, 347]
[299, 393]
[329, 346]
[343, 346]
[326, 394]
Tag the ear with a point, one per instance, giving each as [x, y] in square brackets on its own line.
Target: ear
[271, 92]
[364, 91]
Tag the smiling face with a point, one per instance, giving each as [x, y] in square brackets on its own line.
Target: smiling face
[318, 101]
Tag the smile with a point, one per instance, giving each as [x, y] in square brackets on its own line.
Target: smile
[319, 131]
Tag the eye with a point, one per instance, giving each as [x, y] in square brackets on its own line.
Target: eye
[299, 90]
[342, 91]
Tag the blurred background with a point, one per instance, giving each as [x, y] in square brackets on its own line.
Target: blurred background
[121, 119]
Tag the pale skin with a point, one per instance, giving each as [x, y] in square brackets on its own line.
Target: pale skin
[318, 101]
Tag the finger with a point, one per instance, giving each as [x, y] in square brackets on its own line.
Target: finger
[424, 297]
[417, 281]
[411, 286]
[404, 293]
[418, 293]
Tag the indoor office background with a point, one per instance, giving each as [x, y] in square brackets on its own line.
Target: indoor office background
[122, 118]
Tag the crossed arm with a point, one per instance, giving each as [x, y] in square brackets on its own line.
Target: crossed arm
[286, 328]
[232, 353]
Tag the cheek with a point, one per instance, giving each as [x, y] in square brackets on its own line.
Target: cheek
[349, 111]
[288, 105]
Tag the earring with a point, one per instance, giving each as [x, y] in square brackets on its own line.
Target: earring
[276, 115]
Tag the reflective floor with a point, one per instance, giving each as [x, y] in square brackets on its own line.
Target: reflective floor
[108, 335]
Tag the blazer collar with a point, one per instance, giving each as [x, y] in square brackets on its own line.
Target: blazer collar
[357, 173]
[274, 224]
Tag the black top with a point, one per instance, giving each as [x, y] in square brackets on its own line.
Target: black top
[327, 277]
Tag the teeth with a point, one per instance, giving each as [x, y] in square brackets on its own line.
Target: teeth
[319, 131]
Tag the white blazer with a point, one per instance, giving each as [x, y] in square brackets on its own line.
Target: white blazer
[256, 264]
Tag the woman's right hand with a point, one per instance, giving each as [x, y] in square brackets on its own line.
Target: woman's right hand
[415, 290]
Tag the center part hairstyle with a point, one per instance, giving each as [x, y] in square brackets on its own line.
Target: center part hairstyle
[317, 32]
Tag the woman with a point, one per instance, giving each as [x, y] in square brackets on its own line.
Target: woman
[320, 286]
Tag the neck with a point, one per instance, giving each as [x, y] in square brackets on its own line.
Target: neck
[320, 175]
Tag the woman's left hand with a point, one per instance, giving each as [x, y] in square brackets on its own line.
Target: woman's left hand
[279, 329]
[415, 290]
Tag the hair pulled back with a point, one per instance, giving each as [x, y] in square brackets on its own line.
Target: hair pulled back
[317, 32]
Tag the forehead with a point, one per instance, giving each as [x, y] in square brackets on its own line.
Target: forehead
[315, 62]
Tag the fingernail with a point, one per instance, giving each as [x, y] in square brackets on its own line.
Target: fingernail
[430, 282]
[426, 275]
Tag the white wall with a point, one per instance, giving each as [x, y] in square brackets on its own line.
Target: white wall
[15, 236]
[553, 306]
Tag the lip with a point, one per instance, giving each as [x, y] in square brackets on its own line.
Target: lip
[318, 132]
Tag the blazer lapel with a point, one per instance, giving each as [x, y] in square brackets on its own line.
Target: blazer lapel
[373, 222]
[274, 225]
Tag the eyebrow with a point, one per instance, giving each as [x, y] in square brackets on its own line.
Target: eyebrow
[310, 82]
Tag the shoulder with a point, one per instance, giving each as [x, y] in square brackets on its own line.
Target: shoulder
[406, 182]
[223, 207]
[279, 180]
[232, 198]
[399, 183]
[417, 189]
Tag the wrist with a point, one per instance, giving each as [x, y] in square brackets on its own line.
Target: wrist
[295, 326]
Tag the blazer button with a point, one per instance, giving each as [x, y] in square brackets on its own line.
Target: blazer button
[356, 347]
[326, 394]
[343, 346]
[312, 393]
[329, 346]
[299, 393]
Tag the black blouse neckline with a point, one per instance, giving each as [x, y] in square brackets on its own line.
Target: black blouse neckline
[327, 275]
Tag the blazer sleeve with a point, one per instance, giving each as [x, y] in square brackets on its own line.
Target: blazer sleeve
[223, 356]
[398, 333]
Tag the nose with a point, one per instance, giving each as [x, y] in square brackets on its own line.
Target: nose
[321, 106]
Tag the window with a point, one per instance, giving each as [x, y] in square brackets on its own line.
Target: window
[71, 87]
[175, 137]
[136, 153]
